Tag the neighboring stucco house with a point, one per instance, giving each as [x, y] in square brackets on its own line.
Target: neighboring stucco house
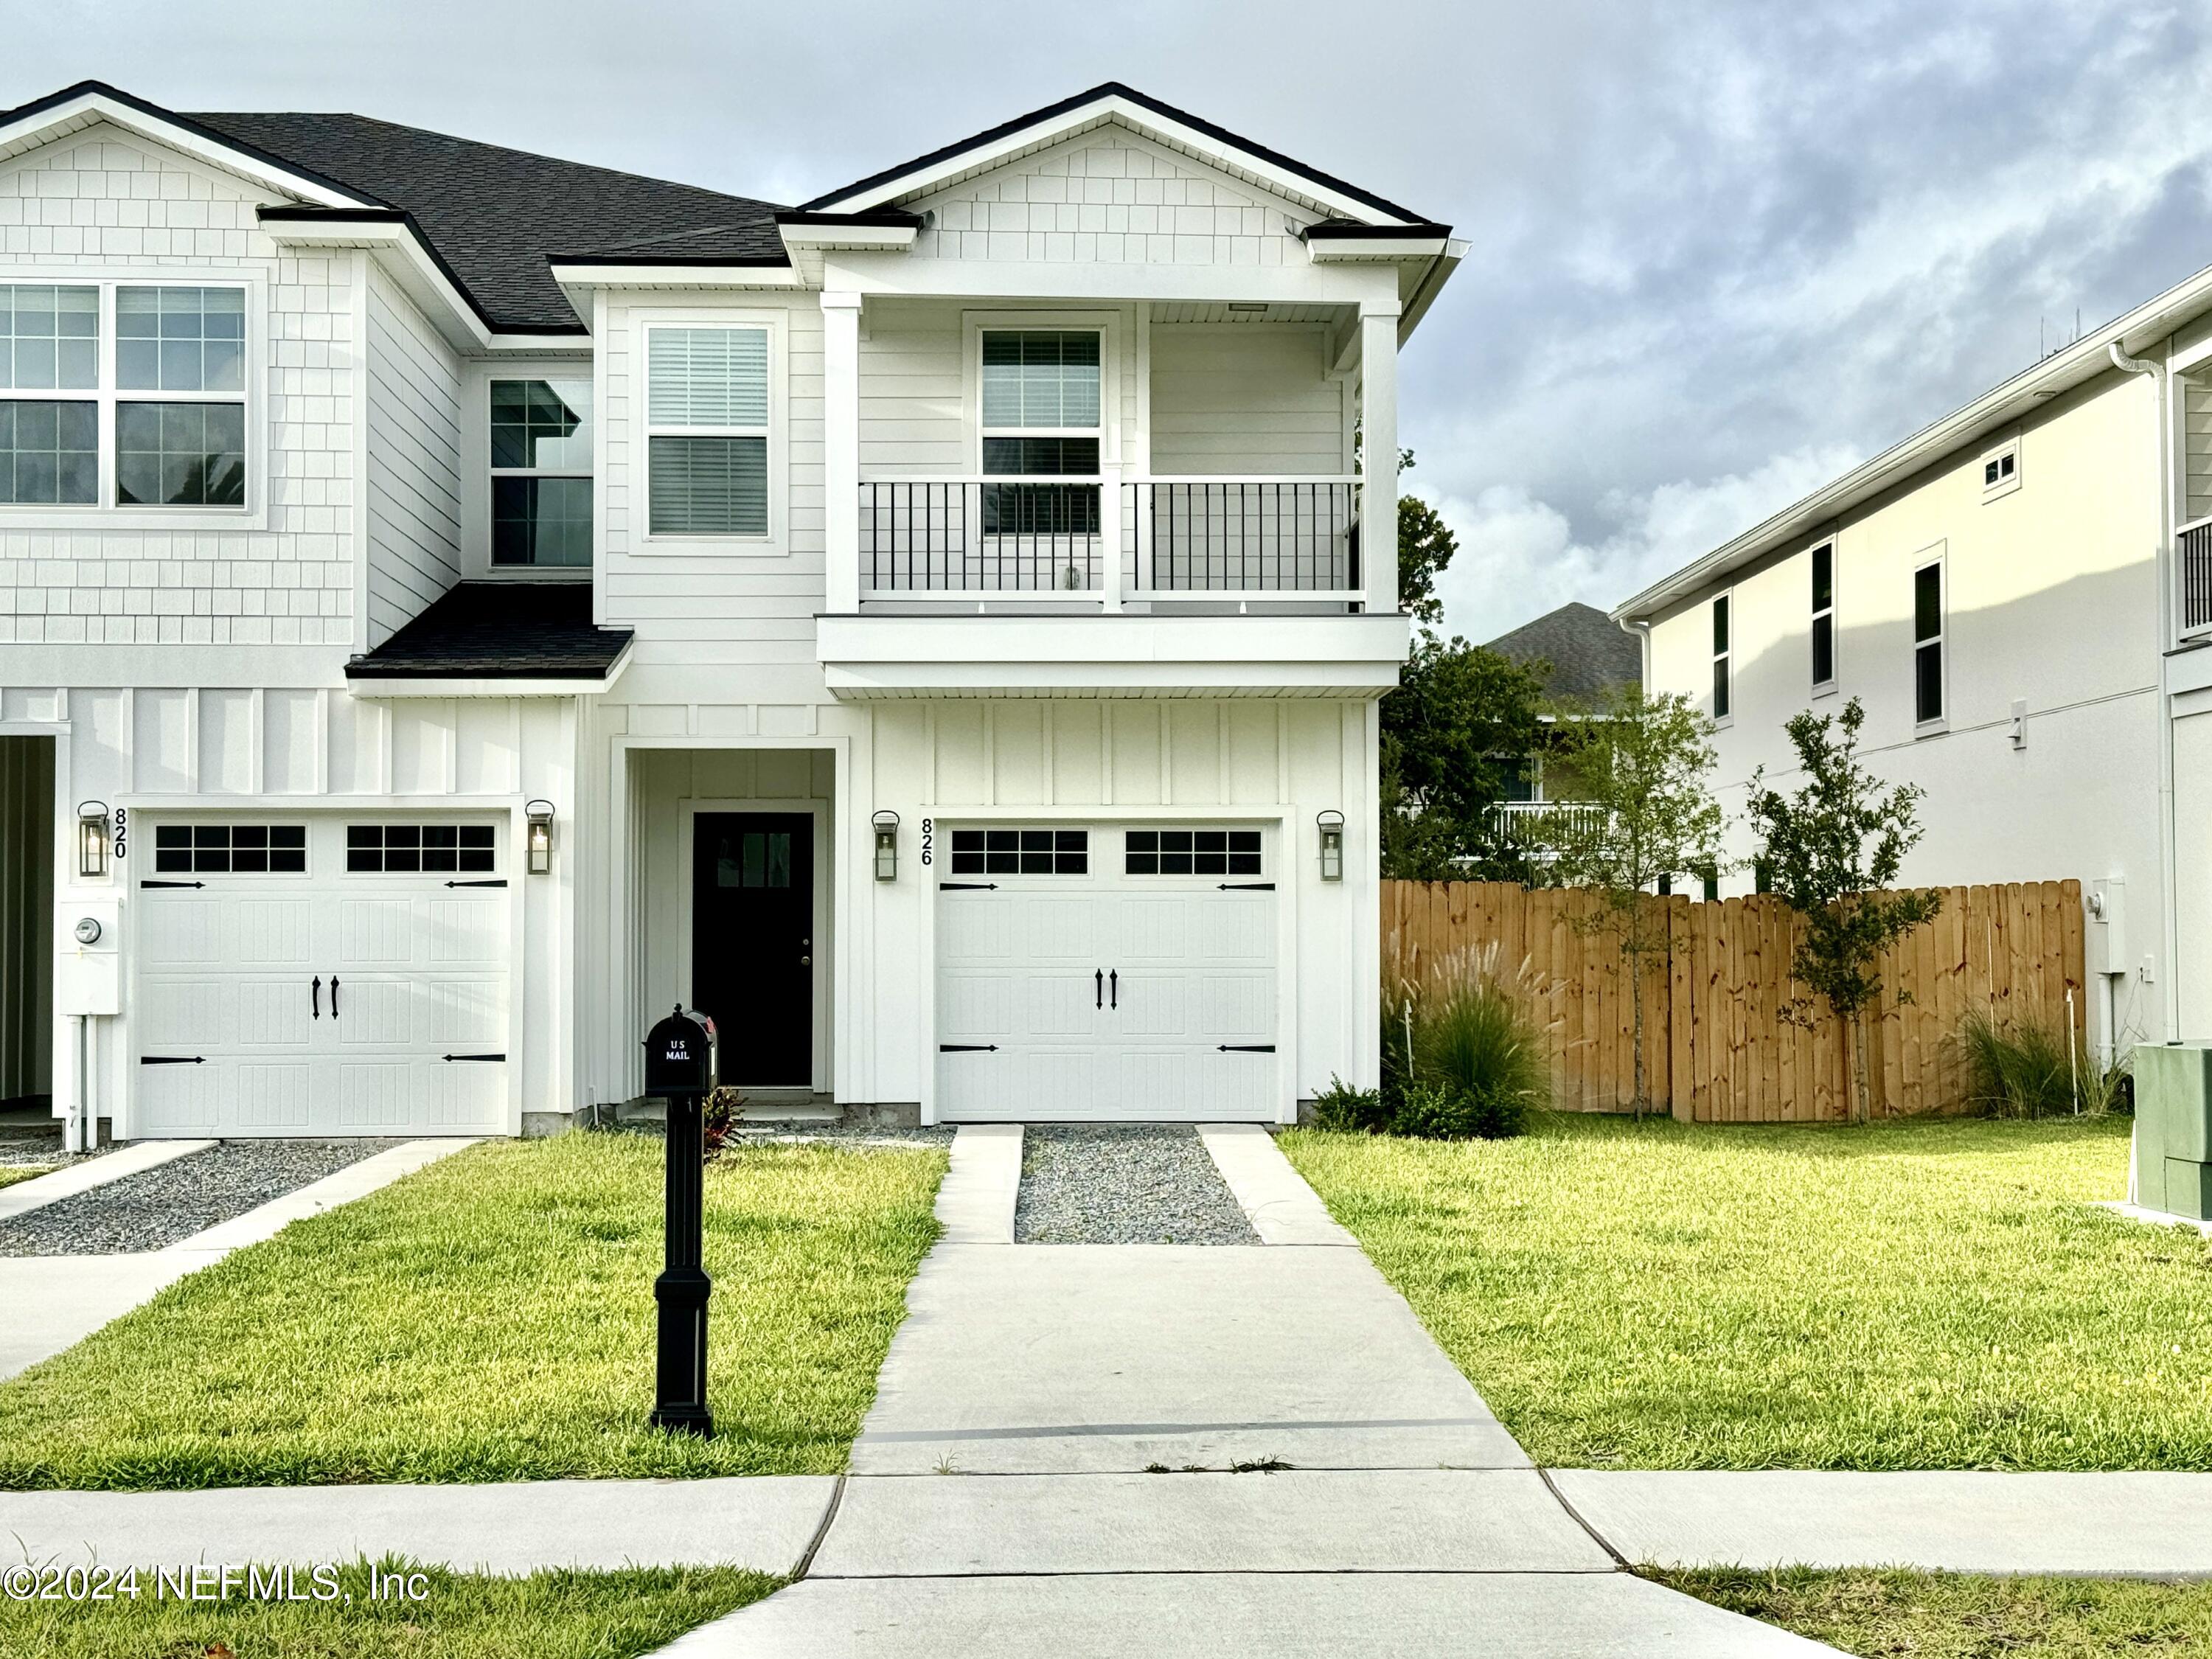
[455, 604]
[2020, 594]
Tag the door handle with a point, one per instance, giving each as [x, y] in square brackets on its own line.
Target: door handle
[334, 996]
[1114, 987]
[806, 962]
[1100, 987]
[315, 996]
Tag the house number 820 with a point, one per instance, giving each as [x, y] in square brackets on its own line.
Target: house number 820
[928, 840]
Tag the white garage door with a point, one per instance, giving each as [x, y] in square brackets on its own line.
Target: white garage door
[1109, 972]
[320, 976]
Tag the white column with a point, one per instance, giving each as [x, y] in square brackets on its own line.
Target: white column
[1378, 454]
[1110, 536]
[840, 451]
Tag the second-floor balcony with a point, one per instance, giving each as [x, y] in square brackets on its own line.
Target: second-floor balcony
[1104, 543]
[1532, 825]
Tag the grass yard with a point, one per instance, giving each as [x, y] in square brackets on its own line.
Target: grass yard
[12, 1173]
[547, 1615]
[491, 1318]
[1919, 1295]
[1888, 1614]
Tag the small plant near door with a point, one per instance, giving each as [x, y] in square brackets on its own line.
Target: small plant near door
[719, 1115]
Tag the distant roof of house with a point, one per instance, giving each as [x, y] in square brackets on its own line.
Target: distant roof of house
[500, 630]
[1587, 652]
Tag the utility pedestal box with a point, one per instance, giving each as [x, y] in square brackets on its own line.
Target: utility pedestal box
[2173, 1128]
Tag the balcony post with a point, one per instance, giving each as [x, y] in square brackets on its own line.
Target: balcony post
[840, 453]
[1110, 535]
[1378, 453]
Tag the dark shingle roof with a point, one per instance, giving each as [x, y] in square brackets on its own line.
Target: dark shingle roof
[493, 214]
[1588, 653]
[500, 630]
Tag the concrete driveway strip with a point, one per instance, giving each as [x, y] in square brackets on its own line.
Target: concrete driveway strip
[1283, 1208]
[2137, 1524]
[1047, 1358]
[39, 1191]
[1241, 1616]
[55, 1302]
[982, 1184]
[764, 1522]
[1355, 1521]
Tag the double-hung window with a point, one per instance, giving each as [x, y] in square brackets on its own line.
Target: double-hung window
[1824, 616]
[1928, 642]
[707, 432]
[1041, 419]
[541, 472]
[1721, 654]
[122, 395]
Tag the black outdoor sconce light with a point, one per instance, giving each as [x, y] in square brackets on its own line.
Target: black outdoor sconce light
[680, 1068]
[1331, 825]
[92, 838]
[537, 838]
[886, 827]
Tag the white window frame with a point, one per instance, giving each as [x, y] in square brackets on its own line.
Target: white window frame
[1935, 559]
[1821, 687]
[1104, 324]
[638, 504]
[108, 513]
[2008, 450]
[1723, 659]
[477, 469]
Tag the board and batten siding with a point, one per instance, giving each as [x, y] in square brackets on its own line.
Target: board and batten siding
[1246, 397]
[414, 461]
[102, 201]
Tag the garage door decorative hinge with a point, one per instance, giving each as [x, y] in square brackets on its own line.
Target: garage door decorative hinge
[967, 887]
[172, 1059]
[499, 882]
[1248, 886]
[967, 1048]
[173, 883]
[1247, 1048]
[476, 1057]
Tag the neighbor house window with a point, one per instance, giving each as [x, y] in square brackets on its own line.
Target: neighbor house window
[1721, 657]
[1824, 616]
[2001, 470]
[1041, 418]
[160, 421]
[707, 426]
[541, 472]
[1928, 642]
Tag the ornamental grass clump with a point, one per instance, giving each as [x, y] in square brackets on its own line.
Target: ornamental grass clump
[1461, 1057]
[2031, 1067]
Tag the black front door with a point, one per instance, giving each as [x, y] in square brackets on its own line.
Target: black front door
[752, 942]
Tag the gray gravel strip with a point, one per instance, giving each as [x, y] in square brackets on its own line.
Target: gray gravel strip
[20, 1152]
[1123, 1183]
[167, 1205]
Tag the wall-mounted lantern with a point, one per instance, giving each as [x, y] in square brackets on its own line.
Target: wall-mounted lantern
[886, 828]
[92, 838]
[1331, 825]
[537, 838]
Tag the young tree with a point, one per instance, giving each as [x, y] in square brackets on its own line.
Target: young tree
[1644, 812]
[1830, 850]
[1451, 733]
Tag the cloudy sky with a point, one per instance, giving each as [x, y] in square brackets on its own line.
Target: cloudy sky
[1720, 252]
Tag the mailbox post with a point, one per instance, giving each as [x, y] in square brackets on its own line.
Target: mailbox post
[679, 1070]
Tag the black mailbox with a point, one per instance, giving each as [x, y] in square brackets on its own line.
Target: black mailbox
[679, 1056]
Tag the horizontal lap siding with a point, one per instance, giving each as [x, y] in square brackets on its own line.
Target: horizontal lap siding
[414, 462]
[1731, 1035]
[1245, 397]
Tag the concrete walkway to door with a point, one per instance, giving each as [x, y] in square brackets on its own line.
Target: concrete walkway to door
[1219, 1450]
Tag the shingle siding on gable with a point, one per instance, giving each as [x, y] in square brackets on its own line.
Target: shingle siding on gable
[97, 198]
[1111, 198]
[414, 462]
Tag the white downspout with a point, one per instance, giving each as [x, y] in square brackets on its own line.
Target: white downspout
[2168, 863]
[1643, 631]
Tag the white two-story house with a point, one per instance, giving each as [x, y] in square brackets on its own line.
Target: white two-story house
[456, 604]
[2021, 595]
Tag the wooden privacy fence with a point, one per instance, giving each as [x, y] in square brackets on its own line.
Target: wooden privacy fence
[1716, 1047]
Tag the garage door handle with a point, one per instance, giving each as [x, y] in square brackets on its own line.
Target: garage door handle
[334, 996]
[1248, 886]
[967, 1048]
[172, 1059]
[315, 996]
[453, 1057]
[1114, 988]
[1099, 988]
[1247, 1048]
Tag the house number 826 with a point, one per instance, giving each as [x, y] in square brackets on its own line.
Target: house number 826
[927, 842]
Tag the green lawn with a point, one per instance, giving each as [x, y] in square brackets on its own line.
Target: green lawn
[1881, 1615]
[491, 1318]
[1922, 1295]
[547, 1615]
[12, 1173]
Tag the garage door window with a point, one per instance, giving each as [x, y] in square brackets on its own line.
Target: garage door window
[437, 848]
[231, 849]
[1191, 852]
[1021, 851]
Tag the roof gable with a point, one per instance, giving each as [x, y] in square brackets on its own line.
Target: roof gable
[1589, 654]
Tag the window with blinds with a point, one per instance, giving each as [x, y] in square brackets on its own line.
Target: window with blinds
[707, 431]
[1040, 418]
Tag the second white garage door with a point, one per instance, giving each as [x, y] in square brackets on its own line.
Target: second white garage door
[1108, 973]
[320, 976]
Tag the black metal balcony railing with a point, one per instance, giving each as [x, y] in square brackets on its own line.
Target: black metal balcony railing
[1243, 536]
[980, 535]
[2196, 545]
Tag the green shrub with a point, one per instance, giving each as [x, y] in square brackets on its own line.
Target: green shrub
[2030, 1069]
[1444, 1111]
[1347, 1109]
[1474, 1037]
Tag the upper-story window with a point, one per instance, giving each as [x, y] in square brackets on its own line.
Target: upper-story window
[707, 426]
[1824, 616]
[1928, 607]
[122, 395]
[1041, 418]
[1720, 655]
[2001, 470]
[541, 472]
